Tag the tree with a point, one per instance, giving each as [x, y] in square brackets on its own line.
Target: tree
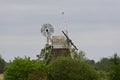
[91, 62]
[2, 64]
[71, 69]
[37, 75]
[23, 69]
[103, 64]
[115, 67]
[40, 72]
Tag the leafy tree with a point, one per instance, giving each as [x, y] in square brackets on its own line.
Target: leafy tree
[92, 62]
[102, 67]
[40, 73]
[2, 64]
[70, 69]
[115, 67]
[103, 64]
[103, 75]
[19, 68]
[37, 75]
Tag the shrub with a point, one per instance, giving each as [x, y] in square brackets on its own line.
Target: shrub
[20, 69]
[37, 75]
[69, 69]
[40, 73]
[103, 75]
[115, 68]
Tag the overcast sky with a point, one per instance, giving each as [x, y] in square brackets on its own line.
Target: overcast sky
[93, 25]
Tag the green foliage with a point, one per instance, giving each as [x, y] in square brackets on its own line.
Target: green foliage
[91, 62]
[70, 69]
[115, 68]
[20, 68]
[103, 64]
[103, 75]
[40, 73]
[2, 64]
[37, 75]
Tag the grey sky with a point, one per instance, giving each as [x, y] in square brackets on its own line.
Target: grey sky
[93, 25]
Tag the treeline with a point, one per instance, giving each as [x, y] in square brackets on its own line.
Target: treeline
[76, 68]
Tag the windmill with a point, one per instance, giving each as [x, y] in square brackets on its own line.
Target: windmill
[56, 46]
[47, 30]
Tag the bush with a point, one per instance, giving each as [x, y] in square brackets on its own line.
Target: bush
[37, 75]
[103, 75]
[40, 73]
[69, 69]
[20, 69]
[115, 68]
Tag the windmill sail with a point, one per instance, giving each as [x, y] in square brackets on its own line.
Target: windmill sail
[69, 40]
